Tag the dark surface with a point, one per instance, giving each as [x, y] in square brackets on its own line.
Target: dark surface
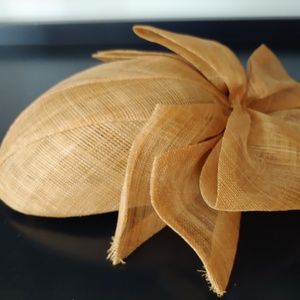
[44, 258]
[242, 33]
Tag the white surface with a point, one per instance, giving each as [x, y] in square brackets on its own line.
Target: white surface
[104, 10]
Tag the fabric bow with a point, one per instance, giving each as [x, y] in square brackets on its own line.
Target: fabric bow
[196, 167]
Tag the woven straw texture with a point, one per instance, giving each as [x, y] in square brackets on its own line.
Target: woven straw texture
[187, 139]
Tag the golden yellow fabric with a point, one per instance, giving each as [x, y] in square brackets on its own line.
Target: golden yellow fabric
[187, 139]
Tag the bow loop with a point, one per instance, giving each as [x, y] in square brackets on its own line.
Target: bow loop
[270, 88]
[216, 62]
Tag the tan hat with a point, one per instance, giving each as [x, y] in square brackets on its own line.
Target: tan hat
[186, 139]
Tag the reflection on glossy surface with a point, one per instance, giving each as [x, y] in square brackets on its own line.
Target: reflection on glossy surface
[88, 247]
[65, 258]
[43, 258]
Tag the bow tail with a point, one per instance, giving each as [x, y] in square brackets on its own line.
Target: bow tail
[176, 197]
[115, 55]
[169, 127]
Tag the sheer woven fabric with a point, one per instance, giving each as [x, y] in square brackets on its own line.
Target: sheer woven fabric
[187, 139]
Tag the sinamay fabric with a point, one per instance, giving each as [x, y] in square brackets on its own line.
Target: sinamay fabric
[187, 139]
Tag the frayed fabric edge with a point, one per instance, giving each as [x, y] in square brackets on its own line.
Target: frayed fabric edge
[210, 282]
[112, 253]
